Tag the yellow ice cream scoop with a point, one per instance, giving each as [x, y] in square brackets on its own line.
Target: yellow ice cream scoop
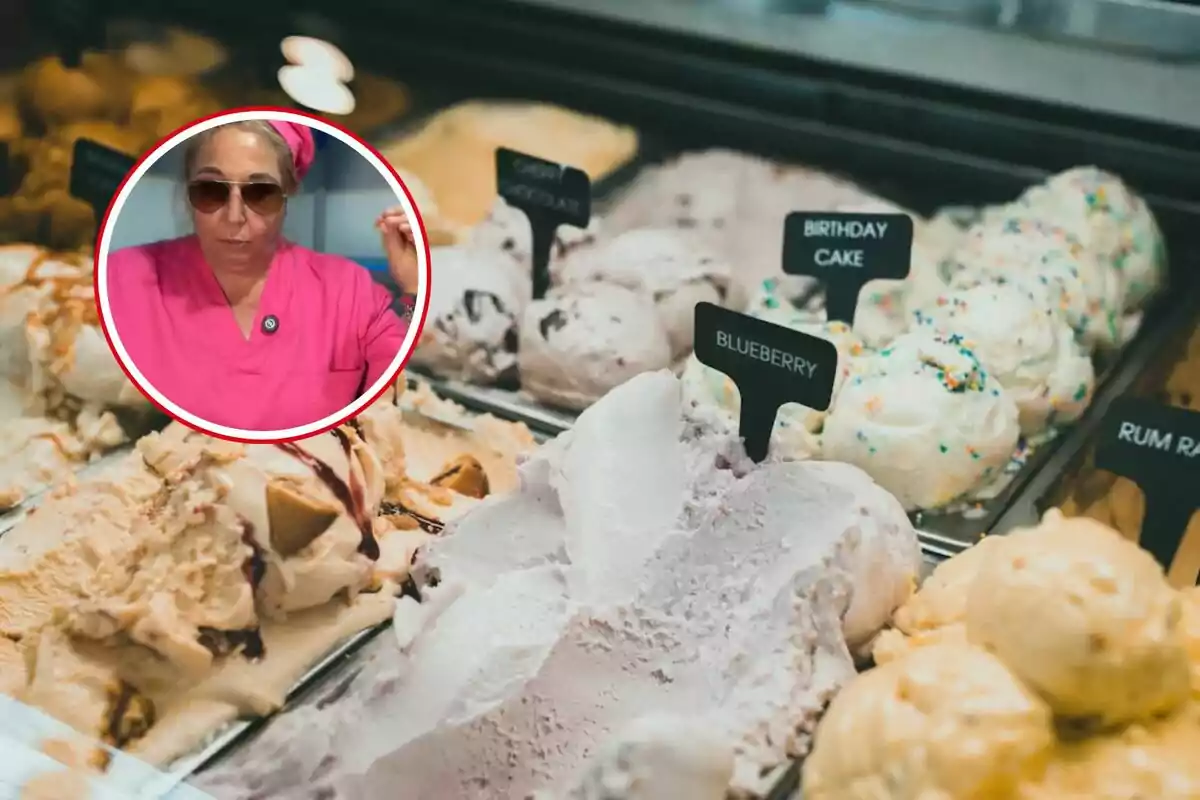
[1155, 760]
[1191, 635]
[948, 722]
[1085, 618]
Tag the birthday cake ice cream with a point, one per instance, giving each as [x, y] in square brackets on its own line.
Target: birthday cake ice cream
[1074, 279]
[1026, 346]
[925, 419]
[1061, 667]
[1108, 219]
[647, 603]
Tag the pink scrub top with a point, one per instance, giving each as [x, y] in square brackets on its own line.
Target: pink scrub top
[335, 334]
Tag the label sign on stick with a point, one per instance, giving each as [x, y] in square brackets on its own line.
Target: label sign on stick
[770, 364]
[845, 251]
[97, 173]
[550, 194]
[1158, 448]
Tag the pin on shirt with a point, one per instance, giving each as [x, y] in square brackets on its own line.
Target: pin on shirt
[270, 324]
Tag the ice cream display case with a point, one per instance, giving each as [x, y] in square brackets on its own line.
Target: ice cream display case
[700, 133]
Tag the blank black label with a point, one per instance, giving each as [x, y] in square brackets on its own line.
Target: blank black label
[6, 171]
[550, 194]
[97, 173]
[845, 251]
[1158, 448]
[770, 364]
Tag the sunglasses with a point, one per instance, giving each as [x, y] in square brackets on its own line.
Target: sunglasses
[261, 197]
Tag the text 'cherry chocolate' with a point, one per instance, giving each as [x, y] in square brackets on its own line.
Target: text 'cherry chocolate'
[845, 251]
[1158, 448]
[550, 195]
[770, 364]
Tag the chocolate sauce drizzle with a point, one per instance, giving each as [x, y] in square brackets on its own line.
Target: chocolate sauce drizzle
[427, 524]
[122, 727]
[246, 640]
[255, 566]
[350, 496]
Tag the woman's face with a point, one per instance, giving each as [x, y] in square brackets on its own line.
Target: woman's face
[239, 167]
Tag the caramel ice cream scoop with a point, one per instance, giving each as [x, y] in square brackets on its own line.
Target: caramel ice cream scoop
[1152, 760]
[948, 721]
[1085, 618]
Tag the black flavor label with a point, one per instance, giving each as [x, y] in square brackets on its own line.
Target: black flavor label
[7, 181]
[770, 364]
[97, 173]
[550, 194]
[845, 251]
[1158, 448]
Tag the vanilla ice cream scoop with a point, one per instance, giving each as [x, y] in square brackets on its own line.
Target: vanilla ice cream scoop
[673, 271]
[1027, 347]
[578, 343]
[1084, 288]
[1151, 759]
[1107, 218]
[475, 306]
[925, 420]
[1085, 618]
[948, 721]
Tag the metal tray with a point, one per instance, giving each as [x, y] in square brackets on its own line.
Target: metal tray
[1154, 27]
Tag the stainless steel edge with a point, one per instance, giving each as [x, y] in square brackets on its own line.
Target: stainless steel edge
[993, 60]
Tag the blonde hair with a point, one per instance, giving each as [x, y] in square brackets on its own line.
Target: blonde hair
[261, 128]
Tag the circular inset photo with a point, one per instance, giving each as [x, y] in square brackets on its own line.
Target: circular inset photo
[262, 275]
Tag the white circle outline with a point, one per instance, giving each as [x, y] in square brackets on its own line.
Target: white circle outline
[300, 431]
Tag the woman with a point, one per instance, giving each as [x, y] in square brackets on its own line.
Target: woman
[239, 326]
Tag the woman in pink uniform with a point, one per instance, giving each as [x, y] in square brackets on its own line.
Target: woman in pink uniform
[239, 326]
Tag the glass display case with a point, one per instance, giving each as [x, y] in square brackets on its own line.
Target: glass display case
[945, 110]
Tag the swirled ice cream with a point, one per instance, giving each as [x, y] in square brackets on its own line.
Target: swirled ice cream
[506, 230]
[924, 419]
[196, 580]
[581, 342]
[674, 272]
[1027, 347]
[645, 581]
[475, 308]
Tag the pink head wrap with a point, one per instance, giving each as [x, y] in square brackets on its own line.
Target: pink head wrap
[299, 140]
